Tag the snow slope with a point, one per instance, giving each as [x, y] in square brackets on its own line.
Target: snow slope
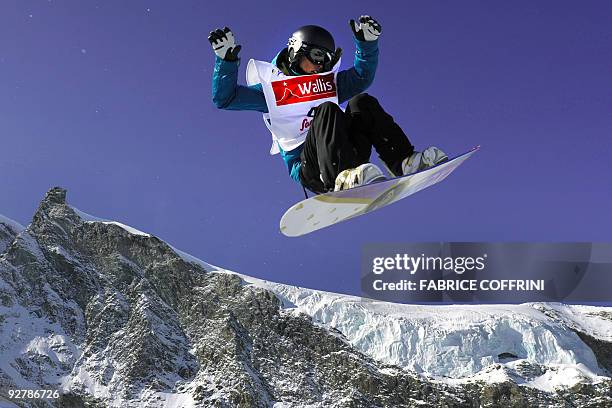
[8, 230]
[461, 343]
[11, 223]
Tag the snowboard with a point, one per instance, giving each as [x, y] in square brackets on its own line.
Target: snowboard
[327, 209]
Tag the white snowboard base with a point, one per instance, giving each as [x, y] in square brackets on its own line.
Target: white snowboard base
[323, 210]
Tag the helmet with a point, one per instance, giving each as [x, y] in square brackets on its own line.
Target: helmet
[314, 43]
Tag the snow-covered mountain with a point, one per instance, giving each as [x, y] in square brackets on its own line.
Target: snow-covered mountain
[539, 345]
[112, 316]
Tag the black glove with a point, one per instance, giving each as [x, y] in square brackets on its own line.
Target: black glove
[367, 29]
[224, 45]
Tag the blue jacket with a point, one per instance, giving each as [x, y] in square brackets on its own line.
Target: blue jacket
[227, 94]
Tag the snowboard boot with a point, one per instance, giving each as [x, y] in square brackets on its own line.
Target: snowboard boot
[359, 176]
[423, 160]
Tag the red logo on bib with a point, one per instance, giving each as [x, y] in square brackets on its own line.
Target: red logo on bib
[304, 88]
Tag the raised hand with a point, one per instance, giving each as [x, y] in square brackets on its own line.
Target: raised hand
[224, 44]
[367, 29]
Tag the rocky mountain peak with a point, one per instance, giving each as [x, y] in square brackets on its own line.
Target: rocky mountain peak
[53, 216]
[55, 195]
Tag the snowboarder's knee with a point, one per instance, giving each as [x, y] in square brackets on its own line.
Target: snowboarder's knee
[327, 107]
[326, 110]
[363, 100]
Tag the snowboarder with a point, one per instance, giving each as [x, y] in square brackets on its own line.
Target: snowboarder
[299, 93]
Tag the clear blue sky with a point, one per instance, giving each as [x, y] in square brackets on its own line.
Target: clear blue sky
[112, 100]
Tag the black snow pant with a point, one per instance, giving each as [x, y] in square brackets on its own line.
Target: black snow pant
[338, 140]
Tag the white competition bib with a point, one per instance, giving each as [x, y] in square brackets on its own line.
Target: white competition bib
[290, 99]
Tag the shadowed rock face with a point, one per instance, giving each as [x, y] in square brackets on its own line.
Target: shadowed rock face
[601, 348]
[114, 318]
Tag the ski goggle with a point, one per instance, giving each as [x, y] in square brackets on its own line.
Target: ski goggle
[317, 55]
